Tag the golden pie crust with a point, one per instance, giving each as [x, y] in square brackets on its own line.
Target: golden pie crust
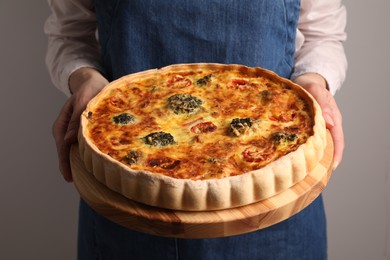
[206, 194]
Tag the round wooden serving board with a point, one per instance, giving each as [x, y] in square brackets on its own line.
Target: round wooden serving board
[205, 224]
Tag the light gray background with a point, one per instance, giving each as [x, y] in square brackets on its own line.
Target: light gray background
[38, 218]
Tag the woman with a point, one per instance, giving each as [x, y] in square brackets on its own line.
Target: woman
[301, 40]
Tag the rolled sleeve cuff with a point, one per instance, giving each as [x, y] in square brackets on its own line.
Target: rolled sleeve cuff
[325, 70]
[71, 67]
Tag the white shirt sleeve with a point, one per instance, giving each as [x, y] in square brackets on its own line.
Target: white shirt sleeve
[319, 43]
[72, 40]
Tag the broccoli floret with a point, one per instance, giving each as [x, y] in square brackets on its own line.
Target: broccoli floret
[159, 139]
[184, 103]
[240, 126]
[204, 81]
[123, 119]
[283, 137]
[132, 157]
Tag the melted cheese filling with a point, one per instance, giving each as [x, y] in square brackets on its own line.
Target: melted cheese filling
[204, 147]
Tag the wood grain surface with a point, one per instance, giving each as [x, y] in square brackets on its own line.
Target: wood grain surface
[206, 224]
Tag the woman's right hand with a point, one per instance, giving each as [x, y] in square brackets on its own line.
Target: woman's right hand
[315, 84]
[84, 84]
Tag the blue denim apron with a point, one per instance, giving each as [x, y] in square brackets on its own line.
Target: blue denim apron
[143, 34]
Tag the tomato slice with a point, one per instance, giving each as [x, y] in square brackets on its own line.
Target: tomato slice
[284, 117]
[178, 81]
[240, 84]
[164, 163]
[119, 100]
[204, 127]
[257, 154]
[192, 122]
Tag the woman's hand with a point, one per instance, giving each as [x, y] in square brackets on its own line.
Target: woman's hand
[84, 84]
[315, 84]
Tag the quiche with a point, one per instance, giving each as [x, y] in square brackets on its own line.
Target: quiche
[201, 136]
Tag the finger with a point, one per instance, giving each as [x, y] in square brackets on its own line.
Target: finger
[338, 141]
[72, 130]
[60, 126]
[74, 123]
[59, 131]
[328, 119]
[325, 100]
[64, 162]
[332, 117]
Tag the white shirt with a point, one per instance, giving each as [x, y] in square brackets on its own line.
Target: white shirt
[72, 40]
